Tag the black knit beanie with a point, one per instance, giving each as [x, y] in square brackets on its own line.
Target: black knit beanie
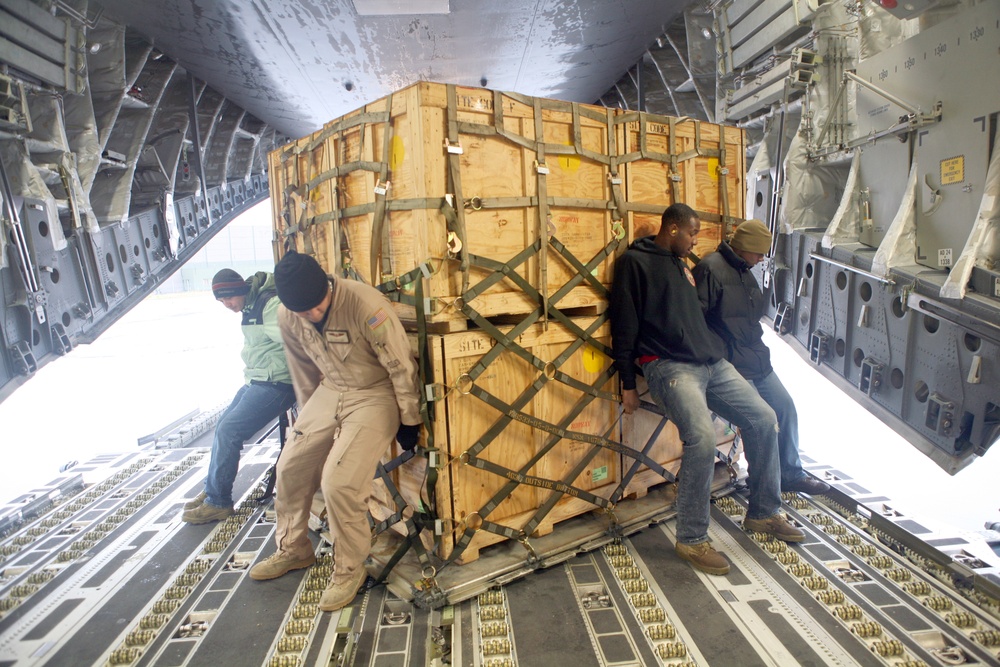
[301, 282]
[229, 283]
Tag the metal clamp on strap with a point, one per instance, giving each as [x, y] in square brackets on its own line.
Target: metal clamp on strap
[453, 148]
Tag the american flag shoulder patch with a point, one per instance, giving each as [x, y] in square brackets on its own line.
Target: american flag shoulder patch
[378, 319]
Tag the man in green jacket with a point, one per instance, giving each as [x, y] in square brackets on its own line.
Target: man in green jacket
[266, 394]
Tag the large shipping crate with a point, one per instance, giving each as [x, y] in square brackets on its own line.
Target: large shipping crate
[494, 219]
[497, 202]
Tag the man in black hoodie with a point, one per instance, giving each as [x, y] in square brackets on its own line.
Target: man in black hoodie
[733, 305]
[657, 323]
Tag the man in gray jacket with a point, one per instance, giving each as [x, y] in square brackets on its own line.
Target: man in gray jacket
[733, 305]
[356, 382]
[266, 394]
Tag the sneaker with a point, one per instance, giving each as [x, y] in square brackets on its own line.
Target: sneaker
[703, 557]
[205, 513]
[196, 501]
[337, 596]
[807, 484]
[775, 526]
[279, 563]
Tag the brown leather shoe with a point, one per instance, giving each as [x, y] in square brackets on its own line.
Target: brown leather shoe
[807, 484]
[703, 557]
[775, 526]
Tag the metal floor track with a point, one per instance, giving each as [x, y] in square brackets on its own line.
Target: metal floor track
[98, 569]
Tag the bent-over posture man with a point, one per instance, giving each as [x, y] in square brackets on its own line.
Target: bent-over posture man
[356, 382]
[733, 305]
[266, 395]
[656, 321]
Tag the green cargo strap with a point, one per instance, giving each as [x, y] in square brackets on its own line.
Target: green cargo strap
[619, 208]
[543, 211]
[675, 175]
[564, 488]
[456, 222]
[380, 251]
[634, 468]
[537, 482]
[727, 219]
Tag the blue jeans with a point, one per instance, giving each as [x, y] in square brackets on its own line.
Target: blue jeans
[689, 393]
[775, 395]
[252, 408]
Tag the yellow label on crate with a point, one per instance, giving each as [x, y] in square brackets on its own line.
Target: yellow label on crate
[953, 170]
[569, 162]
[599, 474]
[396, 153]
[713, 168]
[593, 361]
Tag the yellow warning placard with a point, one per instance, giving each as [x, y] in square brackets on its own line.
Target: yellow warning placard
[953, 170]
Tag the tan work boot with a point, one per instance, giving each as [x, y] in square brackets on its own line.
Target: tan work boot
[195, 502]
[703, 557]
[206, 513]
[337, 596]
[279, 563]
[777, 526]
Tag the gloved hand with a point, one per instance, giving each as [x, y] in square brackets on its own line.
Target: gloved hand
[407, 436]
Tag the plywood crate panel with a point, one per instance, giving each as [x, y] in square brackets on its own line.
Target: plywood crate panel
[666, 448]
[468, 364]
[513, 149]
[671, 160]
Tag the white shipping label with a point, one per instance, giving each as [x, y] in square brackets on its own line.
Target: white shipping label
[944, 257]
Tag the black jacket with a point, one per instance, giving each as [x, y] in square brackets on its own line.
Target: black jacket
[733, 306]
[655, 311]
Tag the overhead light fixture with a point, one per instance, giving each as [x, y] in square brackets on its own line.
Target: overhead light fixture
[400, 7]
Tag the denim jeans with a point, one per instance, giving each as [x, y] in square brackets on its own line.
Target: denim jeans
[252, 408]
[775, 395]
[689, 393]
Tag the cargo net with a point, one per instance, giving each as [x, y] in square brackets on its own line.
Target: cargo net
[545, 450]
[581, 401]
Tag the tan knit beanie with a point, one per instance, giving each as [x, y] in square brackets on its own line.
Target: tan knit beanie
[752, 236]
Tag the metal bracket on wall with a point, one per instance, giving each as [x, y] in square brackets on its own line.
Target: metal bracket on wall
[782, 318]
[940, 415]
[819, 347]
[871, 376]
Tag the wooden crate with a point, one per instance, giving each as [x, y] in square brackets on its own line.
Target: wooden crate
[666, 449]
[464, 419]
[669, 160]
[515, 168]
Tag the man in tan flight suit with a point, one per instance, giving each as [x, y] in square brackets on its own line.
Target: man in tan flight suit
[355, 380]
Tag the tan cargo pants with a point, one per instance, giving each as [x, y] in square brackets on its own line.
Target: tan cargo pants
[336, 444]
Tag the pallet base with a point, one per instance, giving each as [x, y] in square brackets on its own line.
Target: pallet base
[502, 563]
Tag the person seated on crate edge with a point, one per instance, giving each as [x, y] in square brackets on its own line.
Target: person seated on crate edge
[657, 323]
[356, 382]
[266, 394]
[733, 306]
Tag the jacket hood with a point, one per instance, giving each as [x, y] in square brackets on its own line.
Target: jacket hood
[259, 282]
[648, 244]
[730, 256]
